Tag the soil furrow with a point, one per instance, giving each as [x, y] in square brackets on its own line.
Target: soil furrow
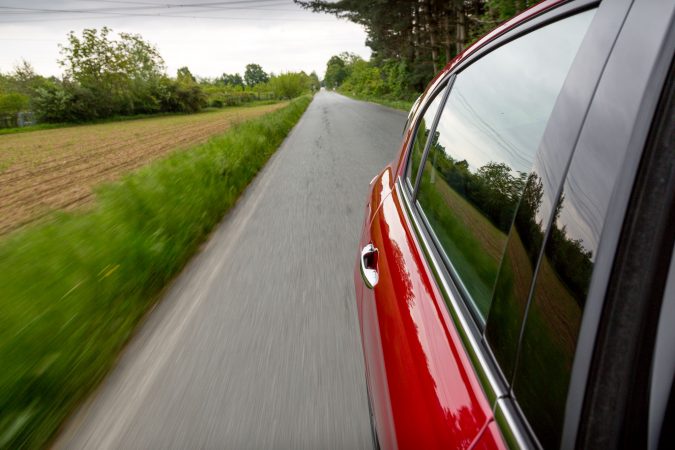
[57, 169]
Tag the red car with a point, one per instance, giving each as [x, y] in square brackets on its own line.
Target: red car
[514, 279]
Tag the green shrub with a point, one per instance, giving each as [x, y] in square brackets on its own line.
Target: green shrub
[289, 85]
[13, 103]
[176, 96]
[10, 105]
[68, 102]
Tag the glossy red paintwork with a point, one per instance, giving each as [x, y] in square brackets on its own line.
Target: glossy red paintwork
[489, 439]
[423, 389]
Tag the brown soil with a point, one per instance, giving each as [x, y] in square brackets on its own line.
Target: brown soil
[46, 170]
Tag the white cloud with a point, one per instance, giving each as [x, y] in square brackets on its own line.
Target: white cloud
[279, 36]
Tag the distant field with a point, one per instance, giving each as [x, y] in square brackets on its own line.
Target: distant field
[45, 170]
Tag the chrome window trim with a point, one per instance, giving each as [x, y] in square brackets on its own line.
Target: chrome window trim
[442, 83]
[447, 88]
[453, 272]
[506, 409]
[471, 336]
[484, 366]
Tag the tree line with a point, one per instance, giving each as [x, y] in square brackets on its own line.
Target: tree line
[411, 40]
[106, 76]
[497, 193]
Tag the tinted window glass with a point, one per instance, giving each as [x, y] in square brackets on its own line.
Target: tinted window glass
[485, 142]
[551, 330]
[552, 325]
[422, 135]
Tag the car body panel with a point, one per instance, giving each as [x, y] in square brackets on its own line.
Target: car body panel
[415, 358]
[489, 439]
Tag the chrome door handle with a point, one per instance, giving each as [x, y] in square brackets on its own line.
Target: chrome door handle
[369, 266]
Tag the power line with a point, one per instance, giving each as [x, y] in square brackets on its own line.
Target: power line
[182, 41]
[161, 15]
[237, 4]
[151, 11]
[233, 2]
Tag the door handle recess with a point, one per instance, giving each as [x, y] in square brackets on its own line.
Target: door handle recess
[369, 266]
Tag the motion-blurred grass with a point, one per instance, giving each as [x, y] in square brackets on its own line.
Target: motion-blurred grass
[73, 289]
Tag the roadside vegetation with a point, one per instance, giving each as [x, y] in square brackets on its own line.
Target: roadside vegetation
[411, 40]
[72, 289]
[57, 169]
[110, 76]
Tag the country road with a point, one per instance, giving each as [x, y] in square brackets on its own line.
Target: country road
[256, 344]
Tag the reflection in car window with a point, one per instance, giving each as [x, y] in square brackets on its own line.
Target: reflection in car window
[485, 142]
[422, 135]
[554, 317]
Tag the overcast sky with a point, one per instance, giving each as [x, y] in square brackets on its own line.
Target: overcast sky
[210, 37]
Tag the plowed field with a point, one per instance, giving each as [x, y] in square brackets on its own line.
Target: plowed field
[53, 169]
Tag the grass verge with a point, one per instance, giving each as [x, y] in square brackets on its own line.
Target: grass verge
[73, 289]
[403, 105]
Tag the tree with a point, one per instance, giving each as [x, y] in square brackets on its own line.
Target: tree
[22, 80]
[423, 34]
[335, 72]
[254, 75]
[95, 58]
[121, 73]
[315, 84]
[183, 75]
[231, 79]
[24, 75]
[290, 85]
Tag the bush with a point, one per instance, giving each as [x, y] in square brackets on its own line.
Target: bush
[365, 80]
[289, 85]
[67, 102]
[381, 80]
[175, 96]
[13, 103]
[10, 105]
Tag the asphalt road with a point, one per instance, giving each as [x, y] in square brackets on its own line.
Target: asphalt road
[256, 344]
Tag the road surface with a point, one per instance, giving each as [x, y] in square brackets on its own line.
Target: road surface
[256, 344]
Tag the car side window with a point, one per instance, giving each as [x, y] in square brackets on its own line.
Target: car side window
[484, 146]
[560, 289]
[422, 135]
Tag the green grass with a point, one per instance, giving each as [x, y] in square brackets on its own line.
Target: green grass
[403, 105]
[73, 289]
[549, 342]
[463, 243]
[508, 303]
[49, 126]
[547, 354]
[40, 126]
